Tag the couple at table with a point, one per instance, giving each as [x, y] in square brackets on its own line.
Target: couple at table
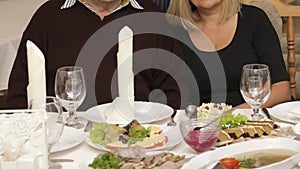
[170, 67]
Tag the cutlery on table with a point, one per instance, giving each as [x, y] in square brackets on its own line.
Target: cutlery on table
[172, 122]
[266, 111]
[61, 160]
[215, 165]
[88, 126]
[191, 111]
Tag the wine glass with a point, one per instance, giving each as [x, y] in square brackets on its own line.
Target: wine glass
[255, 86]
[70, 88]
[55, 122]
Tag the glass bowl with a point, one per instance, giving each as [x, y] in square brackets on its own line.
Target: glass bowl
[201, 134]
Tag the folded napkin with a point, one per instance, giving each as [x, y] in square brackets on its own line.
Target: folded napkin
[36, 72]
[122, 108]
[23, 139]
[120, 111]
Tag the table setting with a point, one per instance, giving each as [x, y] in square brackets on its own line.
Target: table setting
[84, 152]
[119, 133]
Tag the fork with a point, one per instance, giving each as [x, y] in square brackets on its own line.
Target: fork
[172, 122]
[217, 165]
[88, 126]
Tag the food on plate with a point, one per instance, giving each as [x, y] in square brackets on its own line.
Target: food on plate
[207, 109]
[251, 129]
[114, 136]
[119, 159]
[255, 159]
[229, 162]
[231, 121]
[106, 161]
[236, 127]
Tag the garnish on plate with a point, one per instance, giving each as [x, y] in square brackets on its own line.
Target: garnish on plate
[135, 157]
[230, 120]
[114, 136]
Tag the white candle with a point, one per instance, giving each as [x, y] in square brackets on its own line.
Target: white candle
[124, 58]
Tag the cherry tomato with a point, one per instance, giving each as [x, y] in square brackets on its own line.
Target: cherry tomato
[230, 163]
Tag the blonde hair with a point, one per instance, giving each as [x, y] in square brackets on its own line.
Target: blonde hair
[185, 9]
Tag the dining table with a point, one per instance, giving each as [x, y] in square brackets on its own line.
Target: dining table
[14, 17]
[83, 154]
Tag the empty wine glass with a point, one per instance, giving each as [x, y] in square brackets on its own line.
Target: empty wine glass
[55, 122]
[70, 88]
[255, 86]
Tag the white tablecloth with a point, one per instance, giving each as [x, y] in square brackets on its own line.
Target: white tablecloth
[14, 17]
[84, 154]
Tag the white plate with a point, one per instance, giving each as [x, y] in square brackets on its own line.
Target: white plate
[203, 159]
[71, 137]
[281, 112]
[173, 134]
[146, 112]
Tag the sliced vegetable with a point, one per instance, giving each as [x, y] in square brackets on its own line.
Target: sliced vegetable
[138, 133]
[97, 133]
[230, 120]
[230, 163]
[106, 161]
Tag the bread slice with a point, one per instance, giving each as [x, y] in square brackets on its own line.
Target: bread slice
[251, 129]
[224, 136]
[235, 132]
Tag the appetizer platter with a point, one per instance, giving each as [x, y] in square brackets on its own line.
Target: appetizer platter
[237, 126]
[137, 157]
[109, 137]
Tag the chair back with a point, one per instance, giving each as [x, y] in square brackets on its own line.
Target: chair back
[287, 13]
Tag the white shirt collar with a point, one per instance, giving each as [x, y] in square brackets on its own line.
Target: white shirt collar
[70, 3]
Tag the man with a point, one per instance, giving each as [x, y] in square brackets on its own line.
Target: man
[60, 28]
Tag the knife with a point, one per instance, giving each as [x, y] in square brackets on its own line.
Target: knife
[61, 160]
[266, 111]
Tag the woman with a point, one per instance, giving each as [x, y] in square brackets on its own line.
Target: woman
[239, 34]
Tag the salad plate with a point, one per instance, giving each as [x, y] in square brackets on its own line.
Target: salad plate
[71, 137]
[172, 133]
[145, 112]
[284, 111]
[202, 160]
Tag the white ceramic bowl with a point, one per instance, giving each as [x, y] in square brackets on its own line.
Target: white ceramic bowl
[203, 159]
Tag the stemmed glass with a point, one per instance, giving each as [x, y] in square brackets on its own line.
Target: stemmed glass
[70, 88]
[55, 122]
[255, 86]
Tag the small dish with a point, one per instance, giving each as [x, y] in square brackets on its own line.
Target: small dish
[71, 137]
